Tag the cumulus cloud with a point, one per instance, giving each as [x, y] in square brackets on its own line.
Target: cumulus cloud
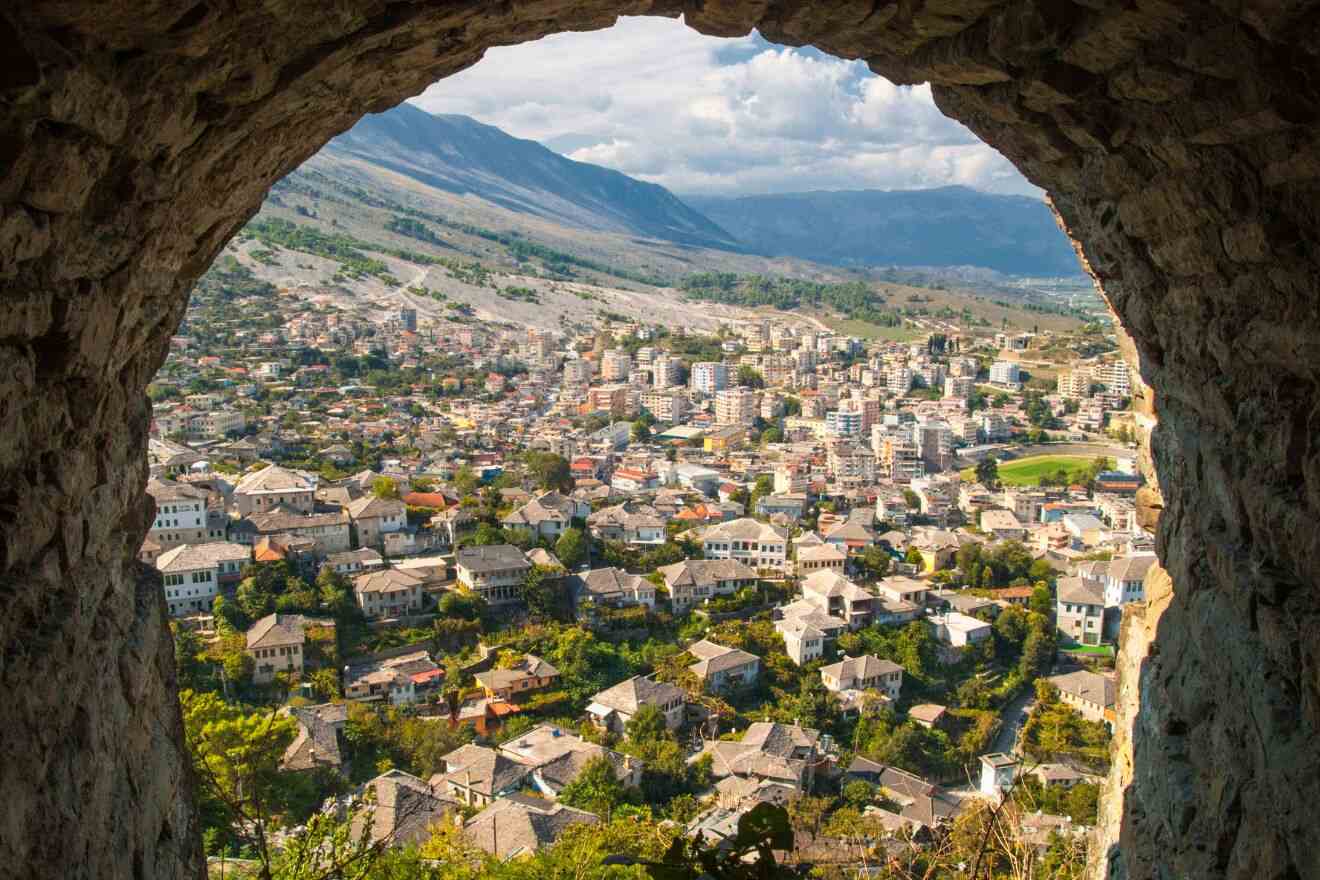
[656, 100]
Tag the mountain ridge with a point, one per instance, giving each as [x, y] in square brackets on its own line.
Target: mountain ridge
[465, 157]
[941, 226]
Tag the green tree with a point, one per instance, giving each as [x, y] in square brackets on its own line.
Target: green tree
[750, 377]
[875, 561]
[647, 727]
[596, 788]
[551, 471]
[987, 471]
[236, 755]
[1042, 600]
[385, 487]
[336, 593]
[465, 481]
[641, 431]
[538, 592]
[1037, 650]
[572, 548]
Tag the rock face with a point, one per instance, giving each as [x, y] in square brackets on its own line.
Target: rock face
[1177, 140]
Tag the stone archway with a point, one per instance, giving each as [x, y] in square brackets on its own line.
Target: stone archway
[1178, 141]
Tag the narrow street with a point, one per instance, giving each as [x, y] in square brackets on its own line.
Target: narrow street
[1011, 721]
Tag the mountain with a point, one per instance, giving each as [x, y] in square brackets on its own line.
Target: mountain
[458, 155]
[949, 226]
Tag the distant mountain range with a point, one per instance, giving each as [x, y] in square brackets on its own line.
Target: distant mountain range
[459, 155]
[950, 226]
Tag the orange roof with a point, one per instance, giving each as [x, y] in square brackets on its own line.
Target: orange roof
[433, 500]
[269, 553]
[499, 708]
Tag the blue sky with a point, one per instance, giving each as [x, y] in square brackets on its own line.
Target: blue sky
[656, 100]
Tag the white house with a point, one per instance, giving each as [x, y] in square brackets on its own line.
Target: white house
[864, 673]
[612, 708]
[274, 486]
[1080, 610]
[191, 576]
[720, 668]
[752, 543]
[959, 630]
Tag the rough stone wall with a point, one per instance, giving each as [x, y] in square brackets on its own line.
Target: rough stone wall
[1179, 144]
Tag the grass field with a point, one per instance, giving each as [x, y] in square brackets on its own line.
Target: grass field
[1028, 471]
[867, 330]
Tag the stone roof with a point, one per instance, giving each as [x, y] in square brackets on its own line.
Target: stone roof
[1086, 685]
[273, 478]
[863, 667]
[712, 658]
[491, 557]
[828, 582]
[385, 581]
[517, 825]
[528, 667]
[277, 630]
[482, 769]
[705, 572]
[1077, 591]
[406, 809]
[744, 529]
[369, 506]
[192, 557]
[607, 581]
[1131, 568]
[630, 695]
[317, 741]
[170, 490]
[284, 519]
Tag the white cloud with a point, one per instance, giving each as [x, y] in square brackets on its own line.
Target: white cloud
[655, 99]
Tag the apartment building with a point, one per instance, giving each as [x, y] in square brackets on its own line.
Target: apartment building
[709, 377]
[736, 406]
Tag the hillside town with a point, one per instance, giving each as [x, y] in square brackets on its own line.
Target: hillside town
[511, 582]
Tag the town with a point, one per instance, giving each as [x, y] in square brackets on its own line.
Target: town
[479, 591]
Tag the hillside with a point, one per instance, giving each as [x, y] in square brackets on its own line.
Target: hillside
[458, 155]
[949, 226]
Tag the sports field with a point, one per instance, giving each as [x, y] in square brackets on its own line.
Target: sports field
[1028, 471]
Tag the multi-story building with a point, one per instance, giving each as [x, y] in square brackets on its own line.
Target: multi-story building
[577, 372]
[274, 486]
[864, 673]
[898, 379]
[612, 399]
[934, 441]
[994, 427]
[666, 405]
[1080, 610]
[755, 544]
[494, 572]
[958, 387]
[1075, 383]
[735, 406]
[391, 592]
[844, 422]
[664, 371]
[180, 514]
[709, 377]
[1006, 373]
[1116, 378]
[615, 365]
[897, 456]
[191, 577]
[215, 423]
